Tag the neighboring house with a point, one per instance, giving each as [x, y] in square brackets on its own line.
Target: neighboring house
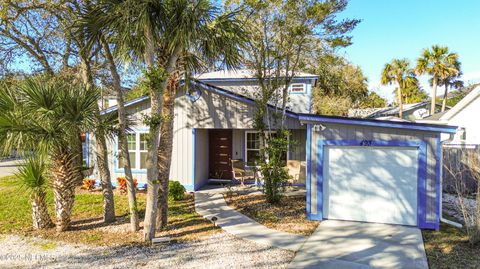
[411, 112]
[108, 97]
[465, 114]
[356, 169]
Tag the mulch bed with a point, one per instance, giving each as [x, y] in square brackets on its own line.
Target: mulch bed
[288, 215]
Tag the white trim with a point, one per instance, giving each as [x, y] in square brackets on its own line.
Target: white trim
[256, 132]
[246, 145]
[462, 104]
[137, 151]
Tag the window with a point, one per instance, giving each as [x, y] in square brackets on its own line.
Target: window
[252, 148]
[137, 150]
[297, 88]
[143, 150]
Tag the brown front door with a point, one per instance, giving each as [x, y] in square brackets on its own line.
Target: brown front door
[220, 154]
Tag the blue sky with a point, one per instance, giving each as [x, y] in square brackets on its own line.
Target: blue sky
[402, 28]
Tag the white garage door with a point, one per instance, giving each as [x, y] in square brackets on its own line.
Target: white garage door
[371, 184]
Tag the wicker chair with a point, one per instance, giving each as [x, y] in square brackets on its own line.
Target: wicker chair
[294, 170]
[240, 172]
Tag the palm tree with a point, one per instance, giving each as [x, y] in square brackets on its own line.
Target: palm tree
[93, 22]
[414, 94]
[162, 35]
[199, 36]
[439, 63]
[33, 177]
[46, 115]
[452, 82]
[398, 71]
[133, 27]
[84, 68]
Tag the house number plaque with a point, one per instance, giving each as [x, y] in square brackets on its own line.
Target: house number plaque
[366, 143]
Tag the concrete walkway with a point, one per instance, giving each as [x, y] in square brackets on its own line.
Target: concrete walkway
[209, 202]
[348, 245]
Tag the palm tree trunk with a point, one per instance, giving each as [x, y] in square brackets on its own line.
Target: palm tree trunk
[152, 154]
[41, 218]
[152, 172]
[64, 174]
[400, 102]
[105, 179]
[101, 151]
[165, 150]
[434, 96]
[122, 138]
[444, 101]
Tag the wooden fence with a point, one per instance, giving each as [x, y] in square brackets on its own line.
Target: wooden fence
[458, 170]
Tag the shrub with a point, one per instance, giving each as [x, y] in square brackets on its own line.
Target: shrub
[122, 184]
[88, 184]
[176, 191]
[275, 175]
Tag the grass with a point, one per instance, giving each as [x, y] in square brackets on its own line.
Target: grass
[449, 248]
[45, 245]
[87, 226]
[288, 215]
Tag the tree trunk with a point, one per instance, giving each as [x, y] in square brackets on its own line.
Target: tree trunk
[101, 151]
[122, 138]
[105, 179]
[165, 150]
[444, 101]
[64, 175]
[400, 103]
[152, 157]
[284, 105]
[152, 173]
[41, 218]
[434, 96]
[79, 155]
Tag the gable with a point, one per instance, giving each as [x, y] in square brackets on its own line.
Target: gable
[218, 108]
[299, 101]
[472, 99]
[212, 108]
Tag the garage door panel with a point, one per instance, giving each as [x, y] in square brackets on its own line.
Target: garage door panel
[374, 184]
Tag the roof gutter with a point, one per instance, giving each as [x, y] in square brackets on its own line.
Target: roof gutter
[306, 118]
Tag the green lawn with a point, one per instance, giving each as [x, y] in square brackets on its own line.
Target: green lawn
[15, 218]
[449, 248]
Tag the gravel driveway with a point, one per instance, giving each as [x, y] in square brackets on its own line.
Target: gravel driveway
[217, 251]
[451, 206]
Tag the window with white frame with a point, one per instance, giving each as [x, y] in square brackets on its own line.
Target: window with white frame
[137, 151]
[297, 88]
[252, 147]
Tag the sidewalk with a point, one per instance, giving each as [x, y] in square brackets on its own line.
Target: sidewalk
[209, 202]
[9, 167]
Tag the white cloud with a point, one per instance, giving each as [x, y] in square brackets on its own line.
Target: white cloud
[471, 77]
[382, 90]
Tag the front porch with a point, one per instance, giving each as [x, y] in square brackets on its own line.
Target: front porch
[228, 157]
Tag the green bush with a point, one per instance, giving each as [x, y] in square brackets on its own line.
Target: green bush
[176, 191]
[274, 174]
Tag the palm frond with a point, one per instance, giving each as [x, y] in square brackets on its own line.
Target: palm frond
[32, 175]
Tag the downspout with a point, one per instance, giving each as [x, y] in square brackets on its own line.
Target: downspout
[449, 222]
